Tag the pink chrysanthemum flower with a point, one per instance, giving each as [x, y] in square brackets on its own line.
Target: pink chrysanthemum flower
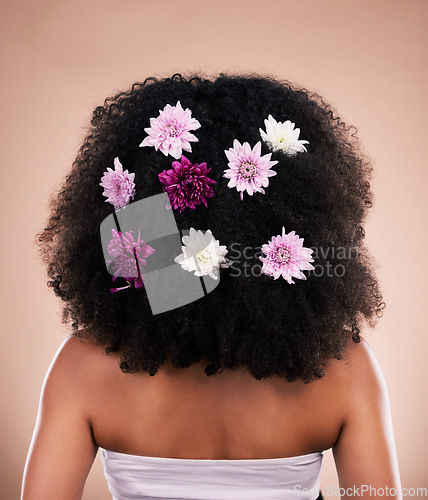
[128, 257]
[187, 185]
[248, 171]
[287, 257]
[170, 131]
[118, 185]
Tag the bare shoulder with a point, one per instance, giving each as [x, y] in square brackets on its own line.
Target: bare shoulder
[79, 351]
[360, 354]
[350, 384]
[365, 449]
[358, 369]
[77, 363]
[73, 344]
[63, 448]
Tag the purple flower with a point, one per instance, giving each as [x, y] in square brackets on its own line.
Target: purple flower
[187, 185]
[128, 257]
[169, 132]
[248, 171]
[286, 256]
[118, 185]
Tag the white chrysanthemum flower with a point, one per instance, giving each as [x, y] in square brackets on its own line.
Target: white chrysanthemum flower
[202, 254]
[282, 136]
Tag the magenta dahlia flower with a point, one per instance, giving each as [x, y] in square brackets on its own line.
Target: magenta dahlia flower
[128, 257]
[187, 185]
[248, 171]
[170, 131]
[118, 185]
[286, 256]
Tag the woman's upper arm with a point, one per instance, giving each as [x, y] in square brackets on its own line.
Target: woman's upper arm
[62, 449]
[364, 453]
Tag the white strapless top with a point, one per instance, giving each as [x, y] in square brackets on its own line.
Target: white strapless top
[141, 477]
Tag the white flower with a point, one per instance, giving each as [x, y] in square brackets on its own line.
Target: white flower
[202, 254]
[282, 137]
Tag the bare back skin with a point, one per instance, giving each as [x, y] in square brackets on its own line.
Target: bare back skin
[183, 413]
[87, 402]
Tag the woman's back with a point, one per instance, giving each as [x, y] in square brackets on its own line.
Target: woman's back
[88, 403]
[181, 434]
[182, 413]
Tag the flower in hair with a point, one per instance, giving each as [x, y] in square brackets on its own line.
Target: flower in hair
[248, 170]
[282, 137]
[118, 185]
[286, 256]
[170, 131]
[202, 254]
[187, 185]
[128, 257]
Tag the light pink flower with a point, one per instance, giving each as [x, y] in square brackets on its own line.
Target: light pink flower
[248, 171]
[118, 185]
[170, 131]
[286, 256]
[128, 256]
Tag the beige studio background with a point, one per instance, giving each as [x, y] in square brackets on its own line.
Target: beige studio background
[61, 59]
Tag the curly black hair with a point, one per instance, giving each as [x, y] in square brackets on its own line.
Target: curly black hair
[267, 325]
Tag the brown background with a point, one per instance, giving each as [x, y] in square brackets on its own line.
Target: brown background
[60, 59]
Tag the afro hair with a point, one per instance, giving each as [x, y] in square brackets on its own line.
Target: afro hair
[250, 320]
